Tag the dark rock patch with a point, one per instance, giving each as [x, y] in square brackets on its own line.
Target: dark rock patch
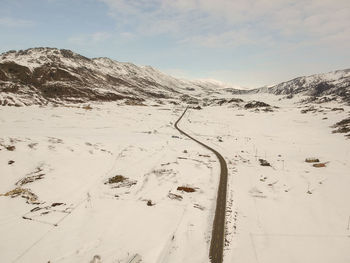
[255, 104]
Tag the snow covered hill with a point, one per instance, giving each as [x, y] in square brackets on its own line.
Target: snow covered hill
[335, 84]
[41, 75]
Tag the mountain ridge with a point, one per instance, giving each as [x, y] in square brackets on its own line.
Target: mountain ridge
[49, 75]
[334, 83]
[42, 75]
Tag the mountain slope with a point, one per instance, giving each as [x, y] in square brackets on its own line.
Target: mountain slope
[41, 75]
[336, 84]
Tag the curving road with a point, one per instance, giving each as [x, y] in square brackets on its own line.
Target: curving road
[218, 233]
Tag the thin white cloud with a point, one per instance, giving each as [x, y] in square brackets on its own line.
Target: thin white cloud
[230, 39]
[236, 22]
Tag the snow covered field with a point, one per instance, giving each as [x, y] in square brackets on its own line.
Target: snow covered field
[77, 151]
[58, 162]
[289, 211]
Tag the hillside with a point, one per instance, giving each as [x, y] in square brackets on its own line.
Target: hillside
[42, 75]
[50, 75]
[334, 84]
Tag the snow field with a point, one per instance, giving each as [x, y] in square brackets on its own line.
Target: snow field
[78, 150]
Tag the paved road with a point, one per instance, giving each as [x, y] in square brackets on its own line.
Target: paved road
[218, 234]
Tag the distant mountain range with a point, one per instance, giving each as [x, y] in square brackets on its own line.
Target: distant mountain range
[43, 75]
[335, 84]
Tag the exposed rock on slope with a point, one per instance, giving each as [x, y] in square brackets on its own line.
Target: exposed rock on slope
[342, 127]
[42, 75]
[334, 84]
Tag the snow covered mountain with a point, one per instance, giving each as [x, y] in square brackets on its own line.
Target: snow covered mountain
[41, 75]
[334, 84]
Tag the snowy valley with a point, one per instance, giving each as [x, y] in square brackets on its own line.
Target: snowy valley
[93, 169]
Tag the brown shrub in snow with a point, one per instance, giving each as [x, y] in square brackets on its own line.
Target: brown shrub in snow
[186, 189]
[24, 193]
[116, 179]
[319, 165]
[312, 160]
[10, 148]
[87, 107]
[264, 162]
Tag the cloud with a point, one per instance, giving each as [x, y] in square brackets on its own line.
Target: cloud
[236, 22]
[229, 39]
[11, 22]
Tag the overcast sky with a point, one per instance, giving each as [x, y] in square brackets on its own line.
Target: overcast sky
[250, 43]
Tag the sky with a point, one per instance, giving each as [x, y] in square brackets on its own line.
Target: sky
[248, 43]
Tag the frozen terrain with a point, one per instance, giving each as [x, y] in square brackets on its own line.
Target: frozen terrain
[77, 151]
[93, 169]
[289, 211]
[100, 183]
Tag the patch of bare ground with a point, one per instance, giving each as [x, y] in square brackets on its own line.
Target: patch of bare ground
[37, 174]
[24, 193]
[135, 102]
[197, 108]
[315, 162]
[161, 172]
[198, 206]
[87, 107]
[150, 203]
[264, 162]
[30, 179]
[57, 204]
[309, 109]
[118, 181]
[234, 102]
[32, 145]
[312, 160]
[175, 196]
[319, 165]
[55, 140]
[259, 105]
[10, 148]
[337, 109]
[318, 100]
[342, 126]
[186, 189]
[48, 209]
